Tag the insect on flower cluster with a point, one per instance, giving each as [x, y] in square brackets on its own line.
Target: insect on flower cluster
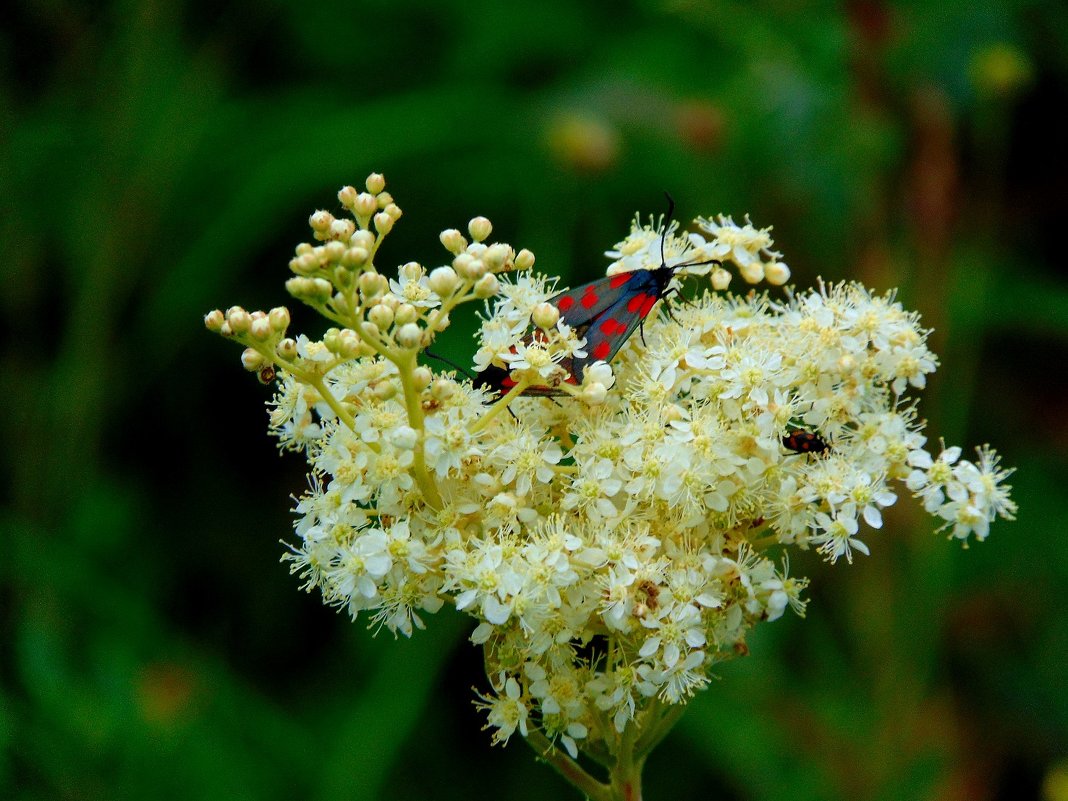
[616, 541]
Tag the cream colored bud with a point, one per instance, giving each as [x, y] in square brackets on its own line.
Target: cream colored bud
[497, 256]
[776, 273]
[304, 248]
[721, 279]
[405, 438]
[422, 376]
[381, 315]
[214, 320]
[297, 287]
[321, 289]
[333, 250]
[299, 264]
[545, 316]
[524, 260]
[372, 285]
[375, 183]
[453, 241]
[594, 394]
[354, 257]
[443, 281]
[251, 359]
[409, 336]
[226, 330]
[240, 320]
[349, 344]
[287, 348]
[346, 196]
[365, 205]
[384, 199]
[441, 322]
[443, 388]
[332, 340]
[394, 211]
[405, 313]
[391, 300]
[370, 330]
[753, 272]
[469, 267]
[384, 390]
[413, 271]
[321, 221]
[383, 223]
[261, 328]
[342, 229]
[279, 317]
[487, 286]
[362, 239]
[340, 304]
[479, 228]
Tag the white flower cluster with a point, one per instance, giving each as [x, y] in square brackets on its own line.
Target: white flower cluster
[615, 544]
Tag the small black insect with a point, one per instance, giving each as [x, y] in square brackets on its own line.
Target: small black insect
[804, 442]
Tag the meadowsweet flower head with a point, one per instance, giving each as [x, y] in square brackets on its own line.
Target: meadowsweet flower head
[614, 545]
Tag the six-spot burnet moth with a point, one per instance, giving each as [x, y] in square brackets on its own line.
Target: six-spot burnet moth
[801, 441]
[606, 312]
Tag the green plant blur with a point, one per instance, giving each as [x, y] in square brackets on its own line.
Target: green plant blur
[160, 159]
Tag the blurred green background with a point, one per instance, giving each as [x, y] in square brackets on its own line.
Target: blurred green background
[161, 158]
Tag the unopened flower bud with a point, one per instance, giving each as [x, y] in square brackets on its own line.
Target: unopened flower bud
[354, 257]
[443, 388]
[545, 316]
[347, 197]
[753, 273]
[524, 260]
[384, 199]
[214, 320]
[497, 255]
[362, 239]
[394, 211]
[287, 348]
[375, 183]
[721, 279]
[321, 221]
[422, 376]
[372, 285]
[405, 313]
[365, 205]
[479, 228]
[776, 273]
[240, 321]
[594, 394]
[279, 317]
[251, 359]
[453, 241]
[349, 344]
[405, 438]
[342, 229]
[409, 336]
[487, 286]
[383, 223]
[333, 250]
[332, 339]
[369, 329]
[443, 281]
[321, 289]
[381, 315]
[469, 267]
[385, 390]
[260, 328]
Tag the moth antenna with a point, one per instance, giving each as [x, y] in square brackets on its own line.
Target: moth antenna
[667, 225]
[452, 364]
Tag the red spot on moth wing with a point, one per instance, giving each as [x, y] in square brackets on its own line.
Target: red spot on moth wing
[635, 304]
[565, 303]
[611, 325]
[508, 382]
[619, 279]
[590, 299]
[647, 305]
[602, 350]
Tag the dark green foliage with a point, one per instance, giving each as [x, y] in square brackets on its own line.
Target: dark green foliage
[161, 159]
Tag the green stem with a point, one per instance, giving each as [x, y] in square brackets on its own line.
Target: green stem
[569, 768]
[498, 407]
[414, 406]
